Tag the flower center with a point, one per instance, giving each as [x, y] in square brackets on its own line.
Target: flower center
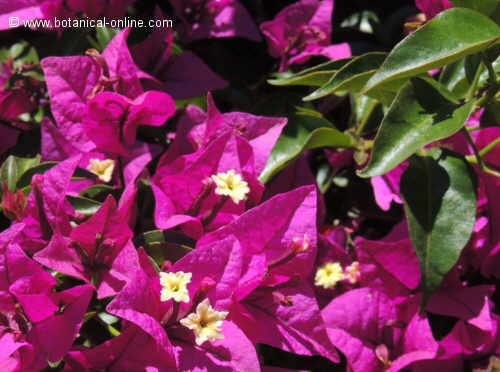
[103, 169]
[231, 184]
[329, 275]
[174, 286]
[206, 322]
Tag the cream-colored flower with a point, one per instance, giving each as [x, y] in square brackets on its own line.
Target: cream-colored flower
[493, 366]
[329, 275]
[102, 168]
[300, 245]
[174, 286]
[353, 272]
[206, 323]
[231, 184]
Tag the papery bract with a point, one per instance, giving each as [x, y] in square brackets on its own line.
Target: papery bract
[111, 119]
[432, 7]
[98, 251]
[197, 129]
[47, 210]
[214, 19]
[288, 243]
[182, 76]
[363, 324]
[186, 195]
[132, 350]
[140, 303]
[303, 30]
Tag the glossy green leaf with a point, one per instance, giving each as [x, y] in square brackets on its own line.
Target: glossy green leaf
[26, 177]
[314, 76]
[443, 40]
[163, 245]
[491, 114]
[484, 6]
[95, 191]
[423, 112]
[14, 167]
[83, 205]
[104, 35]
[366, 115]
[440, 204]
[457, 77]
[303, 132]
[351, 77]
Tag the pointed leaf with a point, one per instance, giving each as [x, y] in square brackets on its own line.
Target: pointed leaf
[84, 205]
[484, 6]
[303, 132]
[440, 204]
[458, 76]
[351, 77]
[443, 40]
[95, 191]
[14, 167]
[25, 179]
[314, 76]
[423, 112]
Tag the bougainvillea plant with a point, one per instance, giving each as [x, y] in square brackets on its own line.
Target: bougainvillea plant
[287, 185]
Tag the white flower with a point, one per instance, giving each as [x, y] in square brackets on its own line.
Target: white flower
[102, 168]
[353, 272]
[174, 286]
[329, 275]
[206, 323]
[231, 184]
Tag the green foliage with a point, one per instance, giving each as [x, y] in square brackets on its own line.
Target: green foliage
[440, 203]
[351, 77]
[303, 132]
[423, 112]
[410, 109]
[444, 40]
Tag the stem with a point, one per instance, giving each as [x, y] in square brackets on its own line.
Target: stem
[472, 159]
[474, 148]
[491, 71]
[492, 172]
[486, 149]
[473, 128]
[207, 219]
[492, 80]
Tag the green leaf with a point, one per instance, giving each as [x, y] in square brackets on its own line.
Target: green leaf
[104, 35]
[94, 191]
[440, 205]
[366, 114]
[443, 40]
[162, 245]
[14, 167]
[491, 115]
[458, 76]
[108, 318]
[303, 132]
[351, 77]
[314, 76]
[84, 205]
[26, 177]
[483, 6]
[423, 112]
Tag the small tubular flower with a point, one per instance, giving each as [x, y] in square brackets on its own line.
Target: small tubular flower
[102, 168]
[231, 184]
[205, 323]
[174, 286]
[329, 275]
[353, 272]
